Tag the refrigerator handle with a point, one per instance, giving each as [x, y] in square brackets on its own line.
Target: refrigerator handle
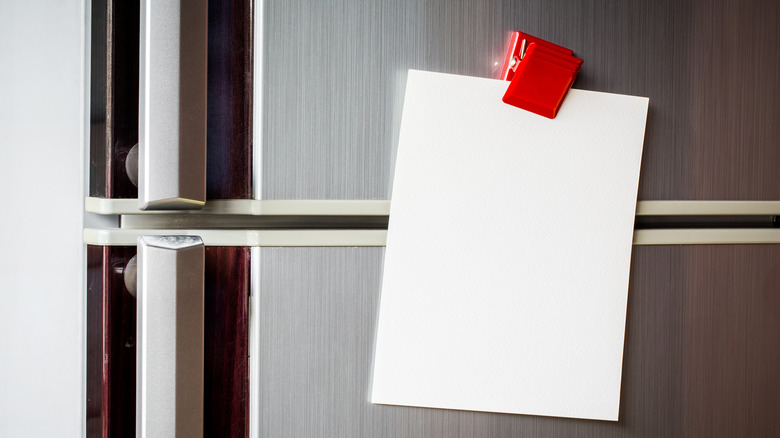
[169, 356]
[172, 104]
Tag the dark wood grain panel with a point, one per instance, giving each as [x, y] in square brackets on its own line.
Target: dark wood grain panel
[98, 76]
[94, 344]
[114, 96]
[230, 79]
[110, 344]
[226, 390]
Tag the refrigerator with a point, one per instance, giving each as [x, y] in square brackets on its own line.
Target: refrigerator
[302, 102]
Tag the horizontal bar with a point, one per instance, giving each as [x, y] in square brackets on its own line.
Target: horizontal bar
[682, 208]
[707, 236]
[255, 207]
[128, 237]
[176, 221]
[252, 207]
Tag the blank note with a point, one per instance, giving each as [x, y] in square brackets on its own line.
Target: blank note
[508, 251]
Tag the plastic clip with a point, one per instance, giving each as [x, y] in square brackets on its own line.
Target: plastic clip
[541, 74]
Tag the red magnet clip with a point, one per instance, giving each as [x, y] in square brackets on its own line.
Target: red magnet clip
[541, 73]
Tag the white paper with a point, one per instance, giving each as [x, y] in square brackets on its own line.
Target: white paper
[508, 251]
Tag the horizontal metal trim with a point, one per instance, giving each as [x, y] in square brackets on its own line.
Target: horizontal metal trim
[256, 207]
[707, 236]
[177, 221]
[128, 237]
[251, 207]
[701, 208]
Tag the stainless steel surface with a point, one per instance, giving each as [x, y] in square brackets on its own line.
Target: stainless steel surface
[334, 75]
[172, 107]
[701, 352]
[169, 370]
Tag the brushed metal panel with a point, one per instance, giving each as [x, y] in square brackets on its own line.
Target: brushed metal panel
[731, 341]
[700, 357]
[334, 75]
[734, 150]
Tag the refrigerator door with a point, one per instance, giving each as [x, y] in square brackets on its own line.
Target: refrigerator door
[333, 77]
[700, 357]
[305, 98]
[296, 359]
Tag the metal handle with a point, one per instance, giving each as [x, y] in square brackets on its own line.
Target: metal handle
[172, 104]
[169, 368]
